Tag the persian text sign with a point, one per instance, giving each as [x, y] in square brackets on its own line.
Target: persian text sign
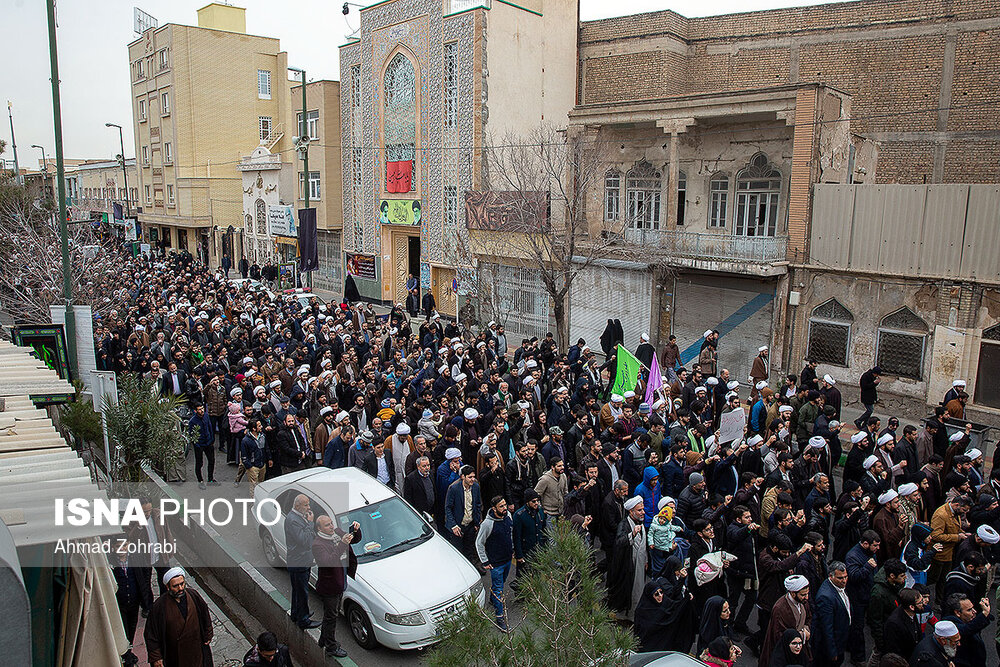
[513, 211]
[281, 221]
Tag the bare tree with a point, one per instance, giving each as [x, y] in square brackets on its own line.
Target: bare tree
[532, 214]
[31, 276]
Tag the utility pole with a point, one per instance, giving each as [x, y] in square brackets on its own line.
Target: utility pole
[304, 148]
[13, 142]
[121, 140]
[45, 163]
[50, 6]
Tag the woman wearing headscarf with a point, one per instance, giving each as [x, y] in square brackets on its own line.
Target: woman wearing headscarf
[720, 653]
[789, 652]
[663, 621]
[714, 622]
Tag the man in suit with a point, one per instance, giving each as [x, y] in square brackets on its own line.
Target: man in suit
[174, 381]
[461, 524]
[418, 487]
[299, 537]
[831, 618]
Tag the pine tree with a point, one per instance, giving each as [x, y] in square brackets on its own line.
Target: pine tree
[565, 622]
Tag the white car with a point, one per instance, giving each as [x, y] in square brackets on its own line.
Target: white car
[409, 577]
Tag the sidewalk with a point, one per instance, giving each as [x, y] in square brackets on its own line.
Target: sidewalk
[228, 644]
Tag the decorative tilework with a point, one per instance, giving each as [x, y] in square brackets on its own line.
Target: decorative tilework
[419, 27]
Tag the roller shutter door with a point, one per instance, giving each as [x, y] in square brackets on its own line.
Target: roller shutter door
[740, 308]
[600, 293]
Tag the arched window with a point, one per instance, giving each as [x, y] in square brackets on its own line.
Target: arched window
[642, 196]
[987, 390]
[902, 337]
[612, 195]
[757, 188]
[400, 123]
[830, 333]
[261, 218]
[718, 205]
[248, 226]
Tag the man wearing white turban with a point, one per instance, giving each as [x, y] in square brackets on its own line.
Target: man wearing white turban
[790, 612]
[627, 571]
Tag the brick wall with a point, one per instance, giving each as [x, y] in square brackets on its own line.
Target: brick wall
[900, 60]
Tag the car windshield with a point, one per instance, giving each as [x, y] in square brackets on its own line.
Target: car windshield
[387, 527]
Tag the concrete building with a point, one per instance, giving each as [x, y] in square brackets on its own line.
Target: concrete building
[203, 97]
[819, 179]
[428, 83]
[94, 187]
[273, 188]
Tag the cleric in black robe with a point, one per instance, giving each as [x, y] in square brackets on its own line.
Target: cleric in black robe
[667, 624]
[627, 570]
[351, 294]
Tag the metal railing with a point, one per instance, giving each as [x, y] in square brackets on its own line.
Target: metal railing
[699, 245]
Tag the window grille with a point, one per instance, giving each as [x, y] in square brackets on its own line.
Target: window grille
[902, 338]
[830, 333]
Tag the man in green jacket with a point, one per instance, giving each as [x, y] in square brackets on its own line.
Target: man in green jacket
[888, 582]
[807, 417]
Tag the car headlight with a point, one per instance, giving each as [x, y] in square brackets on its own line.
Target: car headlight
[414, 618]
[476, 590]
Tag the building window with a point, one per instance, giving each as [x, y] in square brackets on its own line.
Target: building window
[149, 195]
[451, 84]
[612, 195]
[248, 224]
[264, 125]
[356, 167]
[830, 333]
[682, 181]
[168, 153]
[313, 185]
[312, 123]
[902, 338]
[164, 63]
[642, 196]
[182, 239]
[145, 156]
[139, 72]
[451, 206]
[165, 104]
[356, 86]
[400, 124]
[263, 84]
[134, 194]
[988, 391]
[757, 188]
[718, 206]
[142, 110]
[261, 217]
[170, 195]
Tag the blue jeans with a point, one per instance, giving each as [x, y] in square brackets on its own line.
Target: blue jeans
[498, 575]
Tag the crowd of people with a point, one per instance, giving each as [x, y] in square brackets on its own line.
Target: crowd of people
[696, 535]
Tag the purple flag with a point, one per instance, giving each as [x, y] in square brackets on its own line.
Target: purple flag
[655, 381]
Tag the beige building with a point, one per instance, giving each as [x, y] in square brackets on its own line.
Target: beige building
[95, 186]
[203, 97]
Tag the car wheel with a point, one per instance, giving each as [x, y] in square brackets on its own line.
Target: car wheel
[270, 549]
[361, 627]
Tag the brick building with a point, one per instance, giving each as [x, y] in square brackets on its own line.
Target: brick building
[794, 167]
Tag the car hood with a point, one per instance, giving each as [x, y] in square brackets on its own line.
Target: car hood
[444, 574]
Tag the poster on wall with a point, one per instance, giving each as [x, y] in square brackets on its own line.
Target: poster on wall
[48, 344]
[360, 266]
[399, 212]
[281, 221]
[513, 211]
[286, 275]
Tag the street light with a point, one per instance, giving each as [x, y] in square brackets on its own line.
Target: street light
[121, 141]
[45, 165]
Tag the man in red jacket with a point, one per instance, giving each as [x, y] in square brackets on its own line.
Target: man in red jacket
[336, 561]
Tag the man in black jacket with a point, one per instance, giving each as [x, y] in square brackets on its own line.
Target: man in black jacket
[418, 487]
[869, 394]
[612, 514]
[292, 449]
[742, 573]
[902, 628]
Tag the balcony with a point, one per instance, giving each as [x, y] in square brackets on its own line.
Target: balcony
[700, 249]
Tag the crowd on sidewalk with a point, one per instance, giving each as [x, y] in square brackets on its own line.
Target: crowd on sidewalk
[497, 439]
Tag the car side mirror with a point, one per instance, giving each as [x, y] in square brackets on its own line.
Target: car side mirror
[428, 518]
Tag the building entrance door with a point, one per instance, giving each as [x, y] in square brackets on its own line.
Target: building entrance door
[987, 390]
[444, 295]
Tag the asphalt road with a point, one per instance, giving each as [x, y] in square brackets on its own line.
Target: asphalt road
[247, 542]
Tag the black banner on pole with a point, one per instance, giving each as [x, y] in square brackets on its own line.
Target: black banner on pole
[308, 243]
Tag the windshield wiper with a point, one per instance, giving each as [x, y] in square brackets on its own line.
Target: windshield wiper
[409, 540]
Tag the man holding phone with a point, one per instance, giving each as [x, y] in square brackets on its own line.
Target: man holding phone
[336, 561]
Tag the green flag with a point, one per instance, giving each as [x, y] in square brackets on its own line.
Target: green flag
[627, 373]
